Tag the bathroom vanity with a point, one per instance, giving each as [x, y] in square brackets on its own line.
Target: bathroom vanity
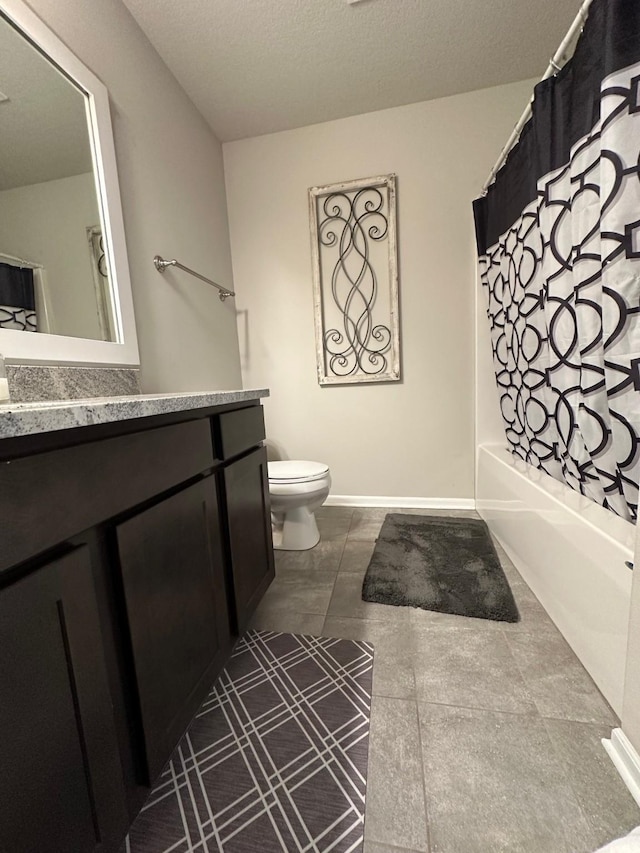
[135, 544]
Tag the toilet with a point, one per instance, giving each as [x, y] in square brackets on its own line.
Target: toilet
[297, 490]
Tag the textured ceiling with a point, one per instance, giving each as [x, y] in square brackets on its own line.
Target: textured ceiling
[258, 66]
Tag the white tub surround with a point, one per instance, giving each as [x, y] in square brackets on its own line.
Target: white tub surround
[626, 759]
[18, 419]
[571, 552]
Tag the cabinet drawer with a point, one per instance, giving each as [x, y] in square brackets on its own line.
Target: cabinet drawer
[46, 498]
[240, 430]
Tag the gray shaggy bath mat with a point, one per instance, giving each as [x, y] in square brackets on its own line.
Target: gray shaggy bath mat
[439, 563]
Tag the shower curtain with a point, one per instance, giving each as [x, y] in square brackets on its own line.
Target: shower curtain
[17, 298]
[558, 236]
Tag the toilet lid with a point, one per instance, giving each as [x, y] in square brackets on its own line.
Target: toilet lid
[296, 471]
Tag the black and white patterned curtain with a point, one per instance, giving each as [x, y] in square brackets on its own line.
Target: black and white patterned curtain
[17, 299]
[558, 237]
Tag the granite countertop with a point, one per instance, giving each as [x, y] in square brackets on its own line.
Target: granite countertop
[18, 419]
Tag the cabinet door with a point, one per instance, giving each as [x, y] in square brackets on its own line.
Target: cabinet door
[249, 524]
[61, 788]
[175, 598]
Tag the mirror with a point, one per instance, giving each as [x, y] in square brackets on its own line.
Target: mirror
[53, 273]
[64, 283]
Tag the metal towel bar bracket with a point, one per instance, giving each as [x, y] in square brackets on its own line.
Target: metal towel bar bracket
[161, 265]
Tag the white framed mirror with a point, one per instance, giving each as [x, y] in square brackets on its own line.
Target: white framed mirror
[65, 290]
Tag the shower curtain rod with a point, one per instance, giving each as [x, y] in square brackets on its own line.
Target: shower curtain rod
[555, 64]
[21, 261]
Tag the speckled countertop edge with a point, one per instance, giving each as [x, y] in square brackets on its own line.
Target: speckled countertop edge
[17, 419]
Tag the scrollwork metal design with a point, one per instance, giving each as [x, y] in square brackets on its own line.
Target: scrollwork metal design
[350, 222]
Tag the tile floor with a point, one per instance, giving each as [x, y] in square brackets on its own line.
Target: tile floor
[485, 736]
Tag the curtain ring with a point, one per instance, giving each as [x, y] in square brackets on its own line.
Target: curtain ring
[554, 65]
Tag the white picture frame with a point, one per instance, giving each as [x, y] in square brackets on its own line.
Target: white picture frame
[355, 280]
[40, 348]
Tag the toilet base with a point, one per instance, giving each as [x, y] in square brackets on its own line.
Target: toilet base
[294, 530]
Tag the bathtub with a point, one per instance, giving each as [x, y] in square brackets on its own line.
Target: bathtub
[573, 555]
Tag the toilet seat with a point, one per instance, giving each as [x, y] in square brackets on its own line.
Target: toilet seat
[294, 471]
[297, 488]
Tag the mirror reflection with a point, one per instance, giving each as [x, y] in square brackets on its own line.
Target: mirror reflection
[53, 268]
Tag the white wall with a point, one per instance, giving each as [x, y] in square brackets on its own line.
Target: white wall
[413, 438]
[173, 197]
[46, 223]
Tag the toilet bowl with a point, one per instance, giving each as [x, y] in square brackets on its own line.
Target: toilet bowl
[297, 490]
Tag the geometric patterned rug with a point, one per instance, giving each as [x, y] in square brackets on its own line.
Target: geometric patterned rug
[276, 757]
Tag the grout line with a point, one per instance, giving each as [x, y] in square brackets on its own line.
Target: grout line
[522, 714]
[507, 634]
[387, 695]
[525, 683]
[424, 775]
[362, 618]
[333, 588]
[607, 724]
[391, 847]
[569, 777]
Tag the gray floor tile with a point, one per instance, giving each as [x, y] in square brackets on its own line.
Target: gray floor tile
[413, 510]
[395, 808]
[442, 513]
[510, 571]
[347, 601]
[559, 684]
[534, 619]
[333, 528]
[608, 806]
[500, 784]
[494, 784]
[471, 668]
[392, 669]
[325, 557]
[500, 550]
[366, 524]
[299, 592]
[356, 556]
[334, 511]
[512, 574]
[372, 512]
[288, 622]
[430, 618]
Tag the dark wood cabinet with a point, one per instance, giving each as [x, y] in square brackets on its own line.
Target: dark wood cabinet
[61, 776]
[174, 589]
[246, 485]
[132, 554]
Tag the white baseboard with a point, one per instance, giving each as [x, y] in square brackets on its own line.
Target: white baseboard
[626, 760]
[408, 503]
